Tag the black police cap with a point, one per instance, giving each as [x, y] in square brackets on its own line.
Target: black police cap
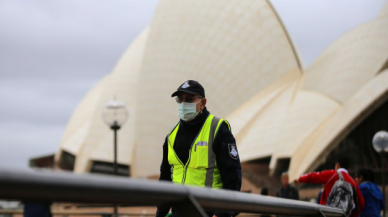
[190, 87]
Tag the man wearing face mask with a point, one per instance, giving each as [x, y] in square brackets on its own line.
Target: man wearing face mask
[200, 150]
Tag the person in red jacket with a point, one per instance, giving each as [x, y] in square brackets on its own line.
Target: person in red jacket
[329, 177]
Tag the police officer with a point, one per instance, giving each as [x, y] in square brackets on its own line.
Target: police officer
[200, 150]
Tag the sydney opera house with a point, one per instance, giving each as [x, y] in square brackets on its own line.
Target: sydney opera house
[285, 117]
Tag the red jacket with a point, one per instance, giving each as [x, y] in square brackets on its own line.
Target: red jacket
[328, 178]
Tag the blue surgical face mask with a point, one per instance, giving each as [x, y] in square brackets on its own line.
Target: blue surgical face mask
[187, 111]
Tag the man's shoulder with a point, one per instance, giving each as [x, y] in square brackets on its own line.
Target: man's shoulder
[321, 173]
[364, 185]
[224, 130]
[328, 172]
[224, 123]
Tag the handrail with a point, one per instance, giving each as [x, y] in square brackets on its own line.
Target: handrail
[72, 213]
[67, 187]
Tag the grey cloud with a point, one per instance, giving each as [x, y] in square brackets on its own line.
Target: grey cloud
[20, 142]
[52, 53]
[68, 38]
[38, 101]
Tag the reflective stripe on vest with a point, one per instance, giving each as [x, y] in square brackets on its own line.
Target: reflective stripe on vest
[200, 169]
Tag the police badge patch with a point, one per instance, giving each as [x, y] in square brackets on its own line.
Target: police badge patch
[233, 151]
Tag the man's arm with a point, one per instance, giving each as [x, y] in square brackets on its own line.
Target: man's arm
[228, 164]
[316, 177]
[165, 175]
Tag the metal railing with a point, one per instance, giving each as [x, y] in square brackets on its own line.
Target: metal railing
[187, 201]
[72, 213]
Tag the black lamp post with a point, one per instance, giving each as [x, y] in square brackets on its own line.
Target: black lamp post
[115, 127]
[115, 114]
[380, 144]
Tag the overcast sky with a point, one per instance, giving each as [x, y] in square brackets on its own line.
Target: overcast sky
[52, 52]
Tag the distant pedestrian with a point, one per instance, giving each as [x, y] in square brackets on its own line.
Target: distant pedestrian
[287, 191]
[329, 177]
[373, 196]
[37, 209]
[264, 192]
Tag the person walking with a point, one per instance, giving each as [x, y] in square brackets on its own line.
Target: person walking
[329, 177]
[287, 191]
[373, 196]
[201, 149]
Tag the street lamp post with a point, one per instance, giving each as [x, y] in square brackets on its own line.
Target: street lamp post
[115, 114]
[380, 144]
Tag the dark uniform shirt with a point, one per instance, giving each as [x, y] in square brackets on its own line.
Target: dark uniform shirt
[229, 167]
[288, 193]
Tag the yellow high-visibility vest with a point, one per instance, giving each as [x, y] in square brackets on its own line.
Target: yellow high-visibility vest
[201, 168]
